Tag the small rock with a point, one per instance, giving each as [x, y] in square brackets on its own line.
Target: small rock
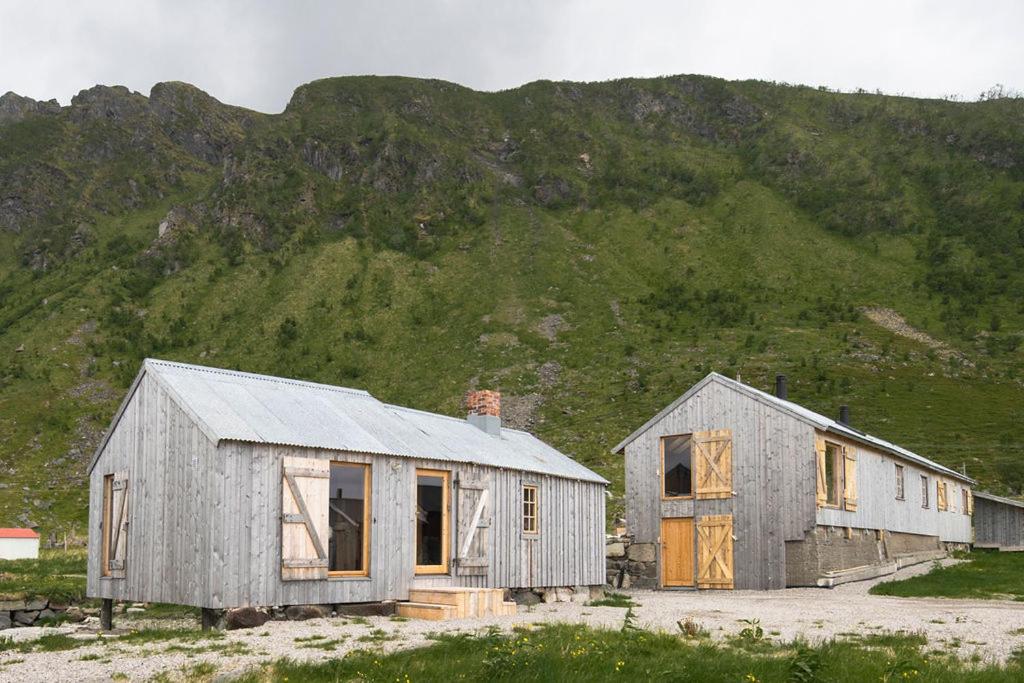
[245, 617]
[549, 596]
[21, 347]
[34, 605]
[46, 614]
[74, 614]
[626, 581]
[596, 592]
[135, 610]
[303, 612]
[526, 598]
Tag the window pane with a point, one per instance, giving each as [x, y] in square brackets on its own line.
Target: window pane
[347, 518]
[678, 473]
[832, 473]
[429, 520]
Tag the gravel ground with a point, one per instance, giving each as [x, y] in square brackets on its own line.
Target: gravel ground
[966, 626]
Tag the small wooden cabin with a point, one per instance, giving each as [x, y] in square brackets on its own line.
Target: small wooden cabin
[732, 487]
[998, 522]
[220, 489]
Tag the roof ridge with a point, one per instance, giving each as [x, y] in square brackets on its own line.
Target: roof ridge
[257, 376]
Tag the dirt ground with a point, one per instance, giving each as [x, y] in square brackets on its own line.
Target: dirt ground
[984, 628]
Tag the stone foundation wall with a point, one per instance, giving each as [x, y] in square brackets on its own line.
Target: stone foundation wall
[631, 565]
[829, 549]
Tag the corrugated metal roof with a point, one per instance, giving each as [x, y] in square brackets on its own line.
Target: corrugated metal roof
[239, 406]
[999, 499]
[816, 419]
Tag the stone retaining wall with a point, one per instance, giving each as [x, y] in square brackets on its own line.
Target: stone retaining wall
[36, 612]
[631, 565]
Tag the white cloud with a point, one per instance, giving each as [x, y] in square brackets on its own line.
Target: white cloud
[255, 53]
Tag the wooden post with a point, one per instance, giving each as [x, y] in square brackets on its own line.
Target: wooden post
[209, 618]
[107, 614]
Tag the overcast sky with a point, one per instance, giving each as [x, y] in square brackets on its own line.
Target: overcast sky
[255, 52]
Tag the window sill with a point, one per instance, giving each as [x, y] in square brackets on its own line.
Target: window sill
[689, 497]
[349, 577]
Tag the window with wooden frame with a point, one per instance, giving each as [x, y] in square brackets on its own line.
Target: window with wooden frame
[965, 497]
[833, 473]
[114, 526]
[432, 524]
[924, 490]
[676, 466]
[348, 544]
[108, 486]
[531, 525]
[940, 496]
[900, 493]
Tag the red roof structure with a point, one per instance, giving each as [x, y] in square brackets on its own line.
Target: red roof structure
[18, 533]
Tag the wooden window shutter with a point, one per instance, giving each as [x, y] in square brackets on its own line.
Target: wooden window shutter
[712, 461]
[305, 495]
[474, 520]
[819, 453]
[117, 534]
[970, 502]
[850, 477]
[714, 552]
[940, 494]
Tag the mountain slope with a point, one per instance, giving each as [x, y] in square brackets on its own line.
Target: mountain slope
[589, 249]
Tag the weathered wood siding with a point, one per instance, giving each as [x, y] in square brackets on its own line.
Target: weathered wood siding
[998, 525]
[171, 468]
[773, 479]
[878, 507]
[206, 521]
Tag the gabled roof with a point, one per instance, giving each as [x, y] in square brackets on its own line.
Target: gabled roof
[806, 415]
[999, 499]
[18, 533]
[239, 406]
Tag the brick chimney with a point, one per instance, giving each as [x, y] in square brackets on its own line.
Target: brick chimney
[484, 408]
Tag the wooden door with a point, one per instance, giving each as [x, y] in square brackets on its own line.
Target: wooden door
[714, 552]
[677, 551]
[305, 496]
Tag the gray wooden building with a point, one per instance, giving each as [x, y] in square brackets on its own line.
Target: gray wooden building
[998, 522]
[733, 487]
[218, 489]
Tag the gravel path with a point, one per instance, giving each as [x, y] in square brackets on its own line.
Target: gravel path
[968, 627]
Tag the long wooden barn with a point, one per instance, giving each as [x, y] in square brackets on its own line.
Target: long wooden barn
[998, 522]
[220, 489]
[733, 487]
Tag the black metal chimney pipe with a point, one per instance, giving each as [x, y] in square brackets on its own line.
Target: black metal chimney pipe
[780, 387]
[844, 415]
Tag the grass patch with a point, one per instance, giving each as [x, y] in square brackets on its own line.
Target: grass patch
[613, 600]
[984, 575]
[162, 635]
[52, 642]
[564, 652]
[55, 575]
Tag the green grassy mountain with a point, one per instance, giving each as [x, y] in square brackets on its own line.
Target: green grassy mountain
[589, 249]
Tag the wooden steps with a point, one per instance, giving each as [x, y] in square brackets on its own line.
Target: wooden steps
[439, 604]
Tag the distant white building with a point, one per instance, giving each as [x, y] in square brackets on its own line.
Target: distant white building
[18, 544]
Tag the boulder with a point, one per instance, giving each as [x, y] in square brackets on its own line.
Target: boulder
[25, 617]
[641, 552]
[596, 592]
[5, 620]
[548, 596]
[615, 550]
[525, 598]
[46, 614]
[626, 581]
[563, 594]
[74, 614]
[245, 617]
[303, 612]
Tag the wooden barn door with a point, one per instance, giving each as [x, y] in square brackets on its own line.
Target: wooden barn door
[305, 493]
[115, 525]
[712, 462]
[677, 551]
[473, 521]
[714, 552]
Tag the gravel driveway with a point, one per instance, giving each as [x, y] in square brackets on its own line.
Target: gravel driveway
[969, 627]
